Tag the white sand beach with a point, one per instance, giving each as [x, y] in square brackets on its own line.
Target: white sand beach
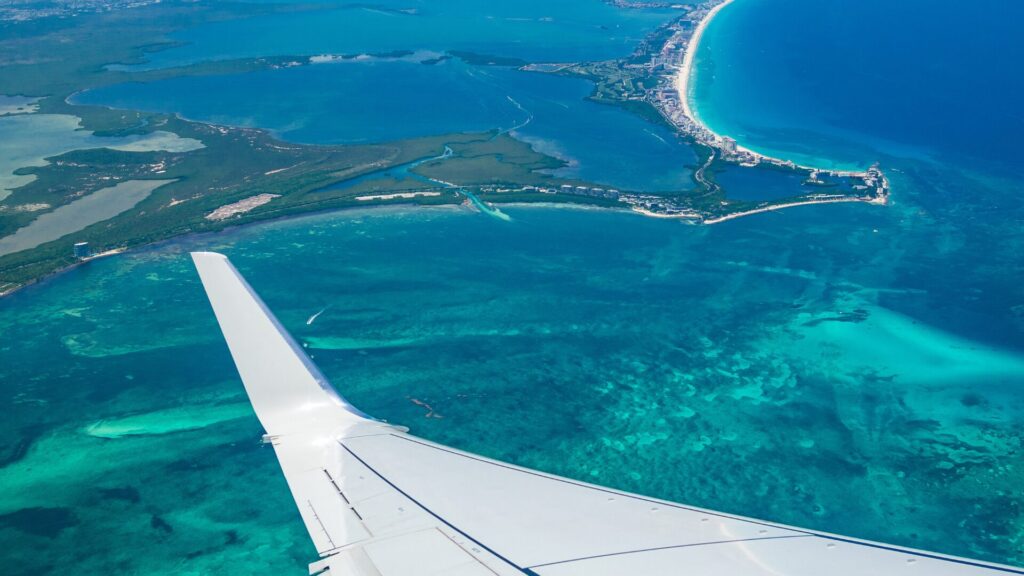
[682, 83]
[683, 77]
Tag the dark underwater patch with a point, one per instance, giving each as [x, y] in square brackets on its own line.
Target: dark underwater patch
[158, 523]
[15, 451]
[858, 315]
[40, 521]
[123, 493]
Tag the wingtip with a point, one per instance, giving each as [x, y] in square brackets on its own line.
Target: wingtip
[201, 256]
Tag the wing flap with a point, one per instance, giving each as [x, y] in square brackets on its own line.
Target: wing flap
[423, 552]
[427, 552]
[549, 526]
[325, 506]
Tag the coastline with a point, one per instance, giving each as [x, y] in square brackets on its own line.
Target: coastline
[774, 207]
[399, 206]
[674, 58]
[678, 109]
[8, 290]
[354, 210]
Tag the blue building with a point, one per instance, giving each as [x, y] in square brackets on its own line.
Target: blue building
[81, 250]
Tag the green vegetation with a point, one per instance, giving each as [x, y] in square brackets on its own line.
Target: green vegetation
[301, 175]
[55, 58]
[501, 160]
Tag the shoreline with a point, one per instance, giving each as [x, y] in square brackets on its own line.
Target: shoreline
[683, 86]
[413, 206]
[105, 254]
[232, 228]
[354, 210]
[774, 207]
[678, 110]
[677, 54]
[682, 80]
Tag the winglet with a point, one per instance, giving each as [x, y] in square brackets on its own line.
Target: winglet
[287, 391]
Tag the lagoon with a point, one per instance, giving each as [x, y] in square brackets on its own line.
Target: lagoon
[79, 214]
[380, 100]
[30, 139]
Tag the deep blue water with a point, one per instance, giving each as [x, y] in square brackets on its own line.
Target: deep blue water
[741, 183]
[856, 83]
[921, 87]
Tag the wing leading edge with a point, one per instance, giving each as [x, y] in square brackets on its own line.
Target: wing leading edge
[378, 501]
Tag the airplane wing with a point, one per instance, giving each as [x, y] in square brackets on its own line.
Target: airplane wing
[379, 501]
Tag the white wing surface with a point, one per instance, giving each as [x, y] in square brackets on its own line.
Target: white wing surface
[380, 502]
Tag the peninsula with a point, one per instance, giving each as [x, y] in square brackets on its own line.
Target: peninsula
[654, 82]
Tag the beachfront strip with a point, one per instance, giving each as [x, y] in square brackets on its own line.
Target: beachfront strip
[672, 63]
[653, 81]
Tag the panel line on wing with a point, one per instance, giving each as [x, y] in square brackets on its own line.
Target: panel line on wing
[802, 533]
[338, 488]
[449, 537]
[659, 548]
[601, 489]
[920, 554]
[321, 523]
[435, 515]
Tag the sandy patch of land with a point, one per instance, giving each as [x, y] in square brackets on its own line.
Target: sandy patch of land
[241, 207]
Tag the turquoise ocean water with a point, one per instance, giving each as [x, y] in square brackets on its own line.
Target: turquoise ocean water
[851, 368]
